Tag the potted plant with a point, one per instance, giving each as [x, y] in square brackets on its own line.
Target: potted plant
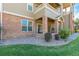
[48, 37]
[56, 36]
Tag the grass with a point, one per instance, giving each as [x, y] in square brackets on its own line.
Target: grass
[72, 49]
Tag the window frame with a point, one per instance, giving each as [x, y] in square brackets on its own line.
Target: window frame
[26, 25]
[28, 8]
[30, 25]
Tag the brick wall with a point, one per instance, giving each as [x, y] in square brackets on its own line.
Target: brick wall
[12, 27]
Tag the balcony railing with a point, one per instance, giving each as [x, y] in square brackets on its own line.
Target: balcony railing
[37, 8]
[58, 10]
[49, 10]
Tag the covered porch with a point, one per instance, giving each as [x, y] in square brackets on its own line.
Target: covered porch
[46, 24]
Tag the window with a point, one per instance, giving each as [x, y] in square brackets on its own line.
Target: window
[30, 26]
[30, 7]
[26, 25]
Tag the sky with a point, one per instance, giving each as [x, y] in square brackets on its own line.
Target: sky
[76, 10]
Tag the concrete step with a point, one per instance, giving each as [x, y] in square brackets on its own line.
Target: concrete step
[39, 35]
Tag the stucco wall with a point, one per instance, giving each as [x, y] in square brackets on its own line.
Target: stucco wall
[12, 27]
[39, 14]
[67, 21]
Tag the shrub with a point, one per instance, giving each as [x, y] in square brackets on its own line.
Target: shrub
[75, 30]
[78, 30]
[48, 37]
[64, 33]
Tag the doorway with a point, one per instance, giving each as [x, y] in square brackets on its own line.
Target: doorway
[39, 28]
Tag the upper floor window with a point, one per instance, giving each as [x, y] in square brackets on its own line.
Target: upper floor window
[29, 7]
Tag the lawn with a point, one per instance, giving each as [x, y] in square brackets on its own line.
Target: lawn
[70, 49]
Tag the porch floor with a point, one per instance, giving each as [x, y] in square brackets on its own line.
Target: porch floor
[39, 41]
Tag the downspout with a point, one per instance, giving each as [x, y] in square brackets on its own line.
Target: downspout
[1, 25]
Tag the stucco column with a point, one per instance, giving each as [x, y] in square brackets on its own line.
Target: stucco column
[62, 25]
[56, 26]
[61, 9]
[34, 27]
[71, 17]
[62, 15]
[45, 24]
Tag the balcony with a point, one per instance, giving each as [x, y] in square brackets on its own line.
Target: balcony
[66, 11]
[46, 9]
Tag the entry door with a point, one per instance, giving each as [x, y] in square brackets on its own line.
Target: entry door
[39, 28]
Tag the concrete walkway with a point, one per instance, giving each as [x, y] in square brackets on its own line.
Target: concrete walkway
[39, 42]
[74, 36]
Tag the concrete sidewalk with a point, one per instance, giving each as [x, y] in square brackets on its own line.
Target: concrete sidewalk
[39, 42]
[73, 36]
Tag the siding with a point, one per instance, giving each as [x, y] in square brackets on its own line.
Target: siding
[19, 8]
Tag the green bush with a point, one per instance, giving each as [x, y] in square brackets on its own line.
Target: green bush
[64, 33]
[48, 37]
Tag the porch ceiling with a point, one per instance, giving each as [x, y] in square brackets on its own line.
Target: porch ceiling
[40, 19]
[51, 19]
[65, 5]
[55, 5]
